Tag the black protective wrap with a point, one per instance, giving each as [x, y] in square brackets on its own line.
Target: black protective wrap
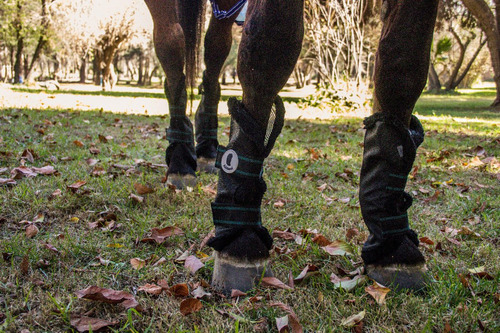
[389, 153]
[236, 210]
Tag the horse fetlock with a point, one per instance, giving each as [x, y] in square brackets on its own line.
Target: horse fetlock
[235, 273]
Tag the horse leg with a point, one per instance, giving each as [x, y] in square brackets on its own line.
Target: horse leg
[170, 50]
[218, 40]
[270, 46]
[391, 255]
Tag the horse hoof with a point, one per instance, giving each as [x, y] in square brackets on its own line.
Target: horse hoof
[232, 273]
[181, 181]
[206, 165]
[399, 277]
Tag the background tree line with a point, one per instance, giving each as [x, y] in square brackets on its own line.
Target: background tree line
[79, 40]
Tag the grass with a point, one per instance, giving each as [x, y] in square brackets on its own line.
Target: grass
[451, 189]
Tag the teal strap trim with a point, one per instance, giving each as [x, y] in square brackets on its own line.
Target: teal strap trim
[237, 223]
[397, 176]
[397, 189]
[180, 132]
[177, 107]
[390, 218]
[241, 157]
[209, 137]
[397, 231]
[173, 140]
[243, 173]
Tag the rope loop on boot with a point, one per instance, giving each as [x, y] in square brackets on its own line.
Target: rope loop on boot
[251, 127]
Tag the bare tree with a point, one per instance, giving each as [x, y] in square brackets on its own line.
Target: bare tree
[488, 18]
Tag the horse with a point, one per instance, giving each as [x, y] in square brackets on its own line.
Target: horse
[270, 46]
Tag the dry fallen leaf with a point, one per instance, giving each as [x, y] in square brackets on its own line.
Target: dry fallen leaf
[237, 293]
[378, 292]
[76, 185]
[160, 235]
[193, 264]
[46, 170]
[353, 320]
[190, 305]
[22, 171]
[284, 235]
[351, 284]
[152, 289]
[200, 293]
[274, 283]
[137, 263]
[95, 293]
[7, 181]
[291, 322]
[25, 265]
[480, 272]
[52, 248]
[78, 143]
[338, 248]
[136, 198]
[321, 240]
[179, 290]
[85, 324]
[31, 231]
[307, 272]
[143, 189]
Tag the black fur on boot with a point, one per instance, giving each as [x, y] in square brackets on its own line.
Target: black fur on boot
[241, 242]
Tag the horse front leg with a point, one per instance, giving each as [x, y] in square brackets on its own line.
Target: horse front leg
[391, 255]
[218, 41]
[170, 49]
[270, 46]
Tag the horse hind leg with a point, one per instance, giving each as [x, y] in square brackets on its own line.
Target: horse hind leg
[269, 49]
[218, 41]
[170, 50]
[391, 255]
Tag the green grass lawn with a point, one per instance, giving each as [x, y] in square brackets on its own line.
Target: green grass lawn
[312, 178]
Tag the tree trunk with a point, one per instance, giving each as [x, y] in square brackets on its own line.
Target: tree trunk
[469, 65]
[434, 83]
[449, 85]
[97, 67]
[18, 65]
[140, 81]
[491, 28]
[83, 69]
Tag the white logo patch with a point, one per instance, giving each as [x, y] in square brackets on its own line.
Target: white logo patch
[230, 161]
[400, 151]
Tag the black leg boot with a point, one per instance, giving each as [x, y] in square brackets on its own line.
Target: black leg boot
[241, 243]
[206, 124]
[391, 255]
[180, 155]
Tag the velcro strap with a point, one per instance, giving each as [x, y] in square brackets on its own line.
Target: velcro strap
[394, 224]
[396, 182]
[229, 161]
[174, 135]
[232, 215]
